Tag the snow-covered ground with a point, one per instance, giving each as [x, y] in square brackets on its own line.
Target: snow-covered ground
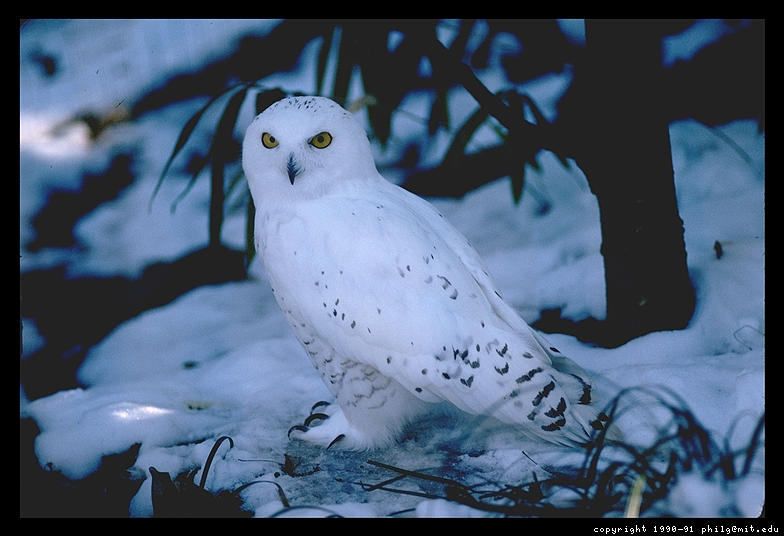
[220, 360]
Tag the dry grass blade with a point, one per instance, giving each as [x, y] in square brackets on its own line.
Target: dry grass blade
[614, 477]
[213, 451]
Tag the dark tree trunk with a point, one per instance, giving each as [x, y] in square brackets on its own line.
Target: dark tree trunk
[622, 144]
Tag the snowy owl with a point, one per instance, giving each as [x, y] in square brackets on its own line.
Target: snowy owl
[389, 300]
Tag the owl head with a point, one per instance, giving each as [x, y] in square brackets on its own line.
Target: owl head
[304, 147]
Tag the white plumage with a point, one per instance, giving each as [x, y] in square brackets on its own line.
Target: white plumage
[391, 303]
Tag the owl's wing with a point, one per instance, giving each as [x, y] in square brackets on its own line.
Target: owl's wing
[474, 264]
[571, 377]
[384, 280]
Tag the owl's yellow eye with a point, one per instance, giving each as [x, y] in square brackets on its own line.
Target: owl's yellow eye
[321, 140]
[269, 141]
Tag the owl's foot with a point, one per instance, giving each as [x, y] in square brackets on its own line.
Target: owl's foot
[334, 430]
[314, 415]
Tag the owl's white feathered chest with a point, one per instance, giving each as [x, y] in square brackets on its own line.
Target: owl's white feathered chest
[363, 279]
[383, 295]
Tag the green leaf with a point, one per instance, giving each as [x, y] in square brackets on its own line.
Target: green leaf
[185, 134]
[534, 163]
[234, 181]
[220, 156]
[345, 66]
[190, 184]
[459, 43]
[323, 56]
[538, 115]
[562, 159]
[439, 112]
[518, 182]
[464, 135]
[373, 62]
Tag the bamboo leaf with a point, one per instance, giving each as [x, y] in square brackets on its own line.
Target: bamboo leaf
[562, 159]
[439, 112]
[185, 134]
[345, 67]
[464, 135]
[235, 180]
[458, 45]
[221, 142]
[518, 182]
[515, 101]
[190, 184]
[481, 56]
[323, 56]
[538, 115]
[373, 62]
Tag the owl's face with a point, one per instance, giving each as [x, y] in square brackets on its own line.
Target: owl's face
[301, 147]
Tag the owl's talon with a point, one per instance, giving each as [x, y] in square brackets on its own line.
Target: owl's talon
[297, 427]
[318, 405]
[338, 438]
[315, 416]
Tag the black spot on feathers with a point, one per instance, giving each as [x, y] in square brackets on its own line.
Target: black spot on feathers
[558, 410]
[531, 374]
[543, 393]
[445, 282]
[502, 371]
[557, 425]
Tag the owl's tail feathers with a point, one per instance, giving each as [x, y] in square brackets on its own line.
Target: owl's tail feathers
[580, 390]
[596, 424]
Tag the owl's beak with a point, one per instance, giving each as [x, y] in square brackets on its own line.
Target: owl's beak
[292, 168]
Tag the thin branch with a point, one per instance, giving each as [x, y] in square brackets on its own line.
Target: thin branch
[415, 474]
[442, 58]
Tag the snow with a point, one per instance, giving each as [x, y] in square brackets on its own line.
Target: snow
[221, 361]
